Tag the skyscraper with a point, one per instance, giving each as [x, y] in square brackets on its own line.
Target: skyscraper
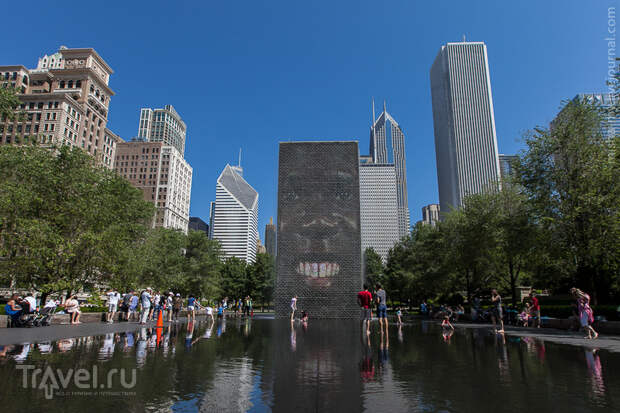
[387, 146]
[235, 215]
[163, 176]
[162, 125]
[378, 208]
[430, 214]
[464, 123]
[505, 165]
[270, 238]
[610, 125]
[197, 224]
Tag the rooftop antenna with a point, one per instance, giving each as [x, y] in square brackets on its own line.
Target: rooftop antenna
[384, 105]
[239, 157]
[373, 111]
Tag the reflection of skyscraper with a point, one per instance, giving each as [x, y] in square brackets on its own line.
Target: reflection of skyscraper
[235, 216]
[387, 146]
[270, 238]
[465, 139]
[318, 248]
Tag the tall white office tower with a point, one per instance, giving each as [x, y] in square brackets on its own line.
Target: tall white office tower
[378, 208]
[465, 139]
[387, 146]
[235, 215]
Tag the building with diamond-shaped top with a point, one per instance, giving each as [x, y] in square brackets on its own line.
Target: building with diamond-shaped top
[235, 215]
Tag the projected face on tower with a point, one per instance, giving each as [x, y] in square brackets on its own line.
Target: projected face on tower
[319, 211]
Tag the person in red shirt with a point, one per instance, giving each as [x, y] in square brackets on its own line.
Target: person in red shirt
[364, 298]
[535, 309]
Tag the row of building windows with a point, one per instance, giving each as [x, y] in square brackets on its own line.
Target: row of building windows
[69, 84]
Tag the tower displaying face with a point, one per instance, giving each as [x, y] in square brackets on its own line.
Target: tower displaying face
[319, 252]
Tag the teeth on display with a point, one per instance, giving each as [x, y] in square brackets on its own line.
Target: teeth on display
[316, 270]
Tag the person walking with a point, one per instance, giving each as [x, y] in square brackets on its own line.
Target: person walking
[497, 313]
[113, 299]
[145, 301]
[125, 303]
[586, 315]
[382, 308]
[364, 299]
[293, 307]
[535, 309]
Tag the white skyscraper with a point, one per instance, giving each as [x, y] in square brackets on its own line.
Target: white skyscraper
[378, 207]
[163, 125]
[235, 215]
[465, 138]
[387, 146]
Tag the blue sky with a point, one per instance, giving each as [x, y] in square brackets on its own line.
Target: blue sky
[248, 74]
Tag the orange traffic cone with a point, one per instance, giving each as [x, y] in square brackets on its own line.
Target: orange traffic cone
[160, 320]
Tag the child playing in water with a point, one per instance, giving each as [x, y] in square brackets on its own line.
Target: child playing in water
[398, 315]
[304, 317]
[446, 323]
[524, 316]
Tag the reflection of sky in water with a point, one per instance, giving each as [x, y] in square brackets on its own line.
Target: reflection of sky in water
[328, 366]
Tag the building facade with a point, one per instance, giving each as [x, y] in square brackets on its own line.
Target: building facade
[319, 247]
[387, 146]
[162, 125]
[610, 126]
[506, 169]
[235, 216]
[464, 123]
[270, 238]
[197, 224]
[430, 214]
[378, 208]
[163, 176]
[65, 101]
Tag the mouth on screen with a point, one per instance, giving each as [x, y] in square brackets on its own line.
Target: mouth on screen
[318, 273]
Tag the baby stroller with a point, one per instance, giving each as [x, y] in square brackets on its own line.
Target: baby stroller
[44, 317]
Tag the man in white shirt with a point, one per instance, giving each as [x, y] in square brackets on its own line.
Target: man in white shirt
[210, 312]
[32, 302]
[113, 299]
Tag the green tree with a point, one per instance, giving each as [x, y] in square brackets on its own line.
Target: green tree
[234, 276]
[202, 267]
[570, 175]
[260, 279]
[373, 267]
[164, 256]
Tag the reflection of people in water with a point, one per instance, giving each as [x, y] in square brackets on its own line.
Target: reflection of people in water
[189, 335]
[141, 347]
[65, 344]
[4, 350]
[504, 368]
[596, 371]
[384, 346]
[107, 349]
[367, 367]
[447, 334]
[24, 353]
[293, 336]
[400, 333]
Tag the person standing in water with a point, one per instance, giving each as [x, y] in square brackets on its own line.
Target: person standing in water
[497, 313]
[293, 307]
[364, 299]
[382, 308]
[586, 315]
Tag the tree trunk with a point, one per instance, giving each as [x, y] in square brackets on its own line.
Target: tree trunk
[513, 283]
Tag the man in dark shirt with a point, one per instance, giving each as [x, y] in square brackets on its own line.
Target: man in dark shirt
[364, 298]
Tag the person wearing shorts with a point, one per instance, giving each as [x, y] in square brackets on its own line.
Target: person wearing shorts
[364, 299]
[191, 308]
[113, 299]
[382, 308]
[535, 309]
[293, 307]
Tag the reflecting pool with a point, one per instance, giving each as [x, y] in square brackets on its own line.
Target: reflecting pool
[326, 366]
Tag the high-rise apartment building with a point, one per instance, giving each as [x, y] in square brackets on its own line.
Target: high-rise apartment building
[464, 123]
[378, 208]
[270, 238]
[164, 177]
[235, 215]
[430, 214]
[64, 101]
[162, 125]
[387, 146]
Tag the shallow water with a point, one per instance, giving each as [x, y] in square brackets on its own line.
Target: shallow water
[264, 365]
